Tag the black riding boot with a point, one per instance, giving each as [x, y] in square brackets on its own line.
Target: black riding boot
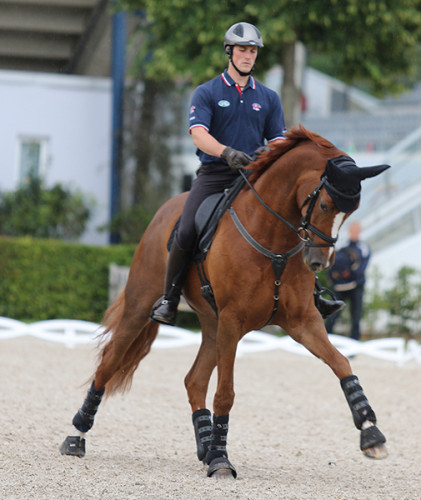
[165, 309]
[326, 307]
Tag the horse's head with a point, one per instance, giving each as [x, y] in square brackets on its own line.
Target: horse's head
[329, 205]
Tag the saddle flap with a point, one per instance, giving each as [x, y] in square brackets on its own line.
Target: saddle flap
[211, 210]
[206, 210]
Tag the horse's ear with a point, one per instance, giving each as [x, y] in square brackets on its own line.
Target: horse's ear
[343, 181]
[366, 172]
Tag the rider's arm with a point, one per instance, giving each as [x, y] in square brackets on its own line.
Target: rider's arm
[204, 141]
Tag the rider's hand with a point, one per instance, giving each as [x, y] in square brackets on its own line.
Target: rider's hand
[235, 159]
[261, 150]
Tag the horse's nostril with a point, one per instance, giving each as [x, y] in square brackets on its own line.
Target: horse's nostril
[316, 266]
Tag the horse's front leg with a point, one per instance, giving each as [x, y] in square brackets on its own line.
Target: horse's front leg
[197, 382]
[315, 338]
[217, 457]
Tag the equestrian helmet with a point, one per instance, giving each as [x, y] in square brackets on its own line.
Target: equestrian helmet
[243, 34]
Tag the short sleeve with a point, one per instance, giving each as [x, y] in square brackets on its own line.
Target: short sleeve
[275, 126]
[200, 114]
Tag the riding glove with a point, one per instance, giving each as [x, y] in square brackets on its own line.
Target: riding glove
[261, 150]
[235, 159]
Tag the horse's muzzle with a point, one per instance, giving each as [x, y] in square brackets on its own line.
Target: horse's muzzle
[315, 259]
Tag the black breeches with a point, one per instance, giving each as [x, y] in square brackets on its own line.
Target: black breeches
[206, 183]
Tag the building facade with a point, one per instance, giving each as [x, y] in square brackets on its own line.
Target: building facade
[58, 126]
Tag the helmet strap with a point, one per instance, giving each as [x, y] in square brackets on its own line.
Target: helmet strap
[242, 73]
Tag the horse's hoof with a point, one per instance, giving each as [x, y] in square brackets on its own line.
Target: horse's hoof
[372, 443]
[222, 474]
[74, 446]
[378, 452]
[221, 468]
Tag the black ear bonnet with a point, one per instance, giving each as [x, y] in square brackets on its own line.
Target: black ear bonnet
[343, 181]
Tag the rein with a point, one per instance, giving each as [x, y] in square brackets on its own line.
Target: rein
[305, 225]
[279, 261]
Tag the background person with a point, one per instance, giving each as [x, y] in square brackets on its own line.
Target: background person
[348, 278]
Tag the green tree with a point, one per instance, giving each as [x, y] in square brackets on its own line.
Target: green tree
[398, 302]
[404, 300]
[373, 41]
[131, 223]
[33, 210]
[152, 116]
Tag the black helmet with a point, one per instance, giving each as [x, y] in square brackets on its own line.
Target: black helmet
[243, 34]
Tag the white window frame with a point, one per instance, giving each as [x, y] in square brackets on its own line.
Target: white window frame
[43, 143]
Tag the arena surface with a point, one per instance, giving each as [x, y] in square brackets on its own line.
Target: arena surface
[291, 432]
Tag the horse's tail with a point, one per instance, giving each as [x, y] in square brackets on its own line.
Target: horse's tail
[132, 351]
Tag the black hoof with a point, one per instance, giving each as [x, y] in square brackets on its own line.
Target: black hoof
[221, 468]
[74, 446]
[371, 437]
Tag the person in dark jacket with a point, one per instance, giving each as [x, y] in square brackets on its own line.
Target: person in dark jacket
[348, 278]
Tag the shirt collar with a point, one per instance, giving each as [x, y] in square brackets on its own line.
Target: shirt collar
[230, 82]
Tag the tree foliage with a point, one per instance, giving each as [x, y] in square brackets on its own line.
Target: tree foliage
[373, 41]
[404, 300]
[33, 210]
[152, 116]
[131, 223]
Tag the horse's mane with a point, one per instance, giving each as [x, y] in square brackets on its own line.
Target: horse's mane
[293, 138]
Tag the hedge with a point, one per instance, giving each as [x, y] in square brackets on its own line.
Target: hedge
[49, 279]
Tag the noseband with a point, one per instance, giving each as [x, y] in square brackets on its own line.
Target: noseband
[305, 226]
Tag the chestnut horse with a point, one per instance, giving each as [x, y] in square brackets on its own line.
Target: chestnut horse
[279, 231]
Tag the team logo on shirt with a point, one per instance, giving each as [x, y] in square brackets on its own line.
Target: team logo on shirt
[192, 109]
[256, 106]
[224, 104]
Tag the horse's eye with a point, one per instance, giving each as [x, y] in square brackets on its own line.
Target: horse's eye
[325, 208]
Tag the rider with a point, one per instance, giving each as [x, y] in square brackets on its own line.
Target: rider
[231, 117]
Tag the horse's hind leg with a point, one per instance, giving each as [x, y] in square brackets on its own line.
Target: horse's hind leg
[317, 342]
[119, 359]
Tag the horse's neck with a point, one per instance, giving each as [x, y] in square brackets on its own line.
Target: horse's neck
[278, 189]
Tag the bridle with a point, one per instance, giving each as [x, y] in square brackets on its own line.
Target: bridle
[305, 225]
[279, 261]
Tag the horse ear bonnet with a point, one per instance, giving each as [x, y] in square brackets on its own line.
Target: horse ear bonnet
[343, 181]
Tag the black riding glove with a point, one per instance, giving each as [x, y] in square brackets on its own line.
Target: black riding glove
[261, 150]
[235, 159]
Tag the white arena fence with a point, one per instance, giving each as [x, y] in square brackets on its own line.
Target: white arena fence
[74, 332]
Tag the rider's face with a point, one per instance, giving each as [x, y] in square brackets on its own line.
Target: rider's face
[244, 57]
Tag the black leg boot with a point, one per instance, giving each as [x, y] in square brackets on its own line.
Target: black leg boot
[326, 307]
[165, 309]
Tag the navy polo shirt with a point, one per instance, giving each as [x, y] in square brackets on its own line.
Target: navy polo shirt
[240, 119]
